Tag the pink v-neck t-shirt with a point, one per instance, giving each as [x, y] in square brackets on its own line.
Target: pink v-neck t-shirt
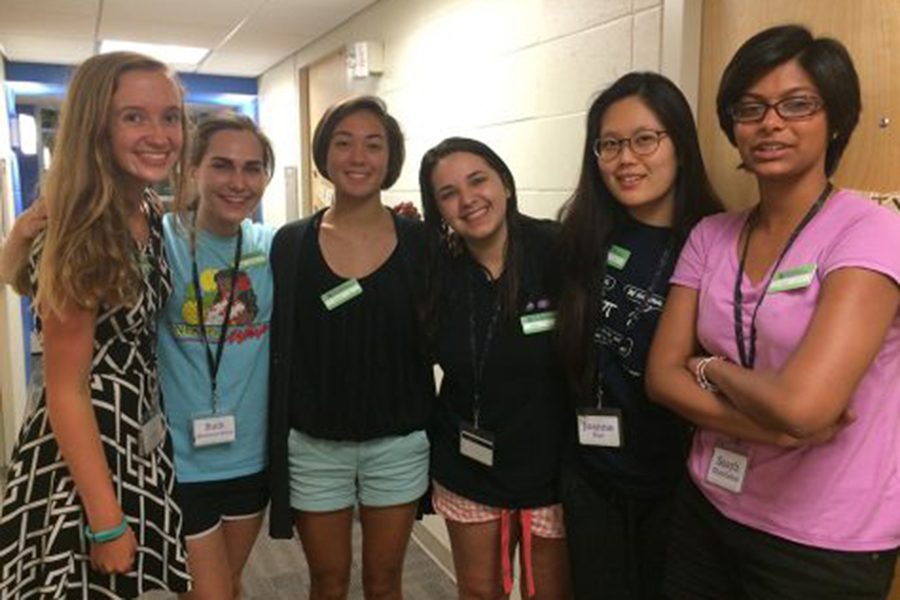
[842, 495]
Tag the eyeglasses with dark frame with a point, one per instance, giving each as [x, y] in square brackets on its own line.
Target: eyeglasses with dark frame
[642, 143]
[793, 108]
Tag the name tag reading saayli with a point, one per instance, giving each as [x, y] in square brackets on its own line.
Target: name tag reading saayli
[727, 469]
[341, 294]
[792, 279]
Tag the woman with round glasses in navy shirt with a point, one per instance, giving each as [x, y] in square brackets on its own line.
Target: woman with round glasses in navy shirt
[642, 187]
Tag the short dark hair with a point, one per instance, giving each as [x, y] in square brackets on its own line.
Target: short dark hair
[337, 112]
[825, 60]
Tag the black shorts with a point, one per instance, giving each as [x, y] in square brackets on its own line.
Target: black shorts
[205, 504]
[712, 557]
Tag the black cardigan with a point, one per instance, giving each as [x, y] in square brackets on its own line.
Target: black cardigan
[284, 257]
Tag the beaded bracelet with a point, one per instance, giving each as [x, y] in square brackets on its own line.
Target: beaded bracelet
[107, 535]
[700, 373]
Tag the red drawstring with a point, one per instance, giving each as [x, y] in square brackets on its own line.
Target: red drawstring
[504, 552]
[525, 522]
[525, 516]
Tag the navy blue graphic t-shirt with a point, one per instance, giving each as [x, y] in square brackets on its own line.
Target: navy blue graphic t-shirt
[655, 440]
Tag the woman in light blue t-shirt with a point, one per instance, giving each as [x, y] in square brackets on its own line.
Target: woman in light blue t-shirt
[214, 348]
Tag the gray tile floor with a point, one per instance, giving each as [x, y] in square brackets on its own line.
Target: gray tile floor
[277, 571]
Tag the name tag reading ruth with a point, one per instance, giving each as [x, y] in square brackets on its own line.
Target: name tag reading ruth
[600, 427]
[214, 429]
[341, 294]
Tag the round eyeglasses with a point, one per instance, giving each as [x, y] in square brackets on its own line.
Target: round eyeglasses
[789, 109]
[642, 143]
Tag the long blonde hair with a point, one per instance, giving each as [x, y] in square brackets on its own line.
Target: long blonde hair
[88, 255]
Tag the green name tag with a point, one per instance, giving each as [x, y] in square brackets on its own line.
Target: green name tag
[617, 257]
[253, 259]
[793, 279]
[538, 322]
[341, 294]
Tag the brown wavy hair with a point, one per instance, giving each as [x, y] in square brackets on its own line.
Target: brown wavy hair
[88, 255]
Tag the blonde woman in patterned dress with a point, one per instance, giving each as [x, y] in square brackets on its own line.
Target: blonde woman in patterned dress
[88, 512]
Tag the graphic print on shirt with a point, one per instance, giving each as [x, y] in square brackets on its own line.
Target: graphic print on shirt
[620, 304]
[215, 290]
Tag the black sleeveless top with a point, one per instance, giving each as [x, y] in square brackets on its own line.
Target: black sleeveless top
[358, 372]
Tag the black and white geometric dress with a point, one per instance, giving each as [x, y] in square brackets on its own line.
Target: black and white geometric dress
[43, 552]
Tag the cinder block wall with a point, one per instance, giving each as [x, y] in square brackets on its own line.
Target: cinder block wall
[517, 74]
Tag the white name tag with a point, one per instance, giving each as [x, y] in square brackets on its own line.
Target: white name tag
[727, 470]
[792, 279]
[341, 294]
[538, 322]
[214, 429]
[477, 444]
[153, 432]
[600, 427]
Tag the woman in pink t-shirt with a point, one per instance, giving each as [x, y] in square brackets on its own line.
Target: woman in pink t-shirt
[780, 340]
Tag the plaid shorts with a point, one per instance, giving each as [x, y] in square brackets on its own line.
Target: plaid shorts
[546, 521]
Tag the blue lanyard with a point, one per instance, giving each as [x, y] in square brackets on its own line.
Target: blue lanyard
[748, 355]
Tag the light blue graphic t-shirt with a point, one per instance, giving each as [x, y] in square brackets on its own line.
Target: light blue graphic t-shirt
[244, 370]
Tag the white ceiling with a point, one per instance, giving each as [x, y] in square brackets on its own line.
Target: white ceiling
[247, 37]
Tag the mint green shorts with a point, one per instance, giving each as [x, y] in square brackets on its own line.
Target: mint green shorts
[327, 475]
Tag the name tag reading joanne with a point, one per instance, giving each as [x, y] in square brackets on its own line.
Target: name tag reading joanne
[538, 322]
[214, 429]
[792, 279]
[477, 444]
[600, 427]
[341, 294]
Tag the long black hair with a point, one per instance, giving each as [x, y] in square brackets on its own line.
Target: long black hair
[591, 215]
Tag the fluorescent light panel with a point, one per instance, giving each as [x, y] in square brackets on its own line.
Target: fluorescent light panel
[170, 54]
[27, 134]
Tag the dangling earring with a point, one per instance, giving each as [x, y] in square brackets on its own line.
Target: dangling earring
[450, 239]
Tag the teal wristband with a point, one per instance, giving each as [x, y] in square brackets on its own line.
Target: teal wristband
[107, 535]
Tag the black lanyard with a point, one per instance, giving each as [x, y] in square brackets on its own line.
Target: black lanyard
[151, 268]
[479, 359]
[213, 363]
[633, 316]
[748, 355]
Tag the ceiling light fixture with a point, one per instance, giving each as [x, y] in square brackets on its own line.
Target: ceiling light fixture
[169, 54]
